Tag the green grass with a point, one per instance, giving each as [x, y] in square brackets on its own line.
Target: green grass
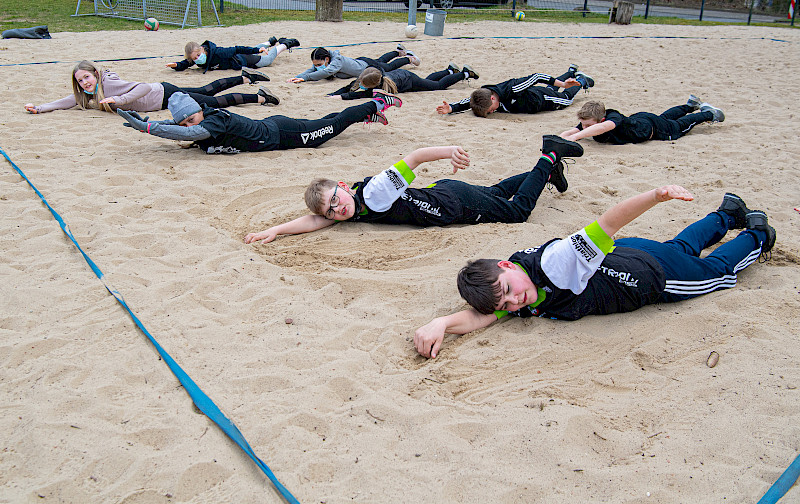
[57, 15]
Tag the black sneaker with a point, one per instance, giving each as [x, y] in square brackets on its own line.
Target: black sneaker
[694, 102]
[573, 67]
[272, 41]
[269, 98]
[453, 67]
[756, 219]
[471, 73]
[557, 177]
[289, 42]
[561, 147]
[585, 80]
[255, 76]
[734, 206]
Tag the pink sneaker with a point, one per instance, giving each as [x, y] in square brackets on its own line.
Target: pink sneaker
[386, 100]
[377, 117]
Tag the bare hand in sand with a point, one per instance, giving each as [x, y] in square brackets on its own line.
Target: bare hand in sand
[428, 338]
[444, 108]
[295, 80]
[30, 107]
[172, 65]
[264, 236]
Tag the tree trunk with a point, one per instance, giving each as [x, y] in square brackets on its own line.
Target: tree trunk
[329, 10]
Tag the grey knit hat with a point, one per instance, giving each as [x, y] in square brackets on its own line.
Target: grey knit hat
[181, 105]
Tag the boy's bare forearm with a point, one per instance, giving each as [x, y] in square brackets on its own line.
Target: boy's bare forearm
[622, 213]
[427, 154]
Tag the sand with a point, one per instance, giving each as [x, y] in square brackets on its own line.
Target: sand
[337, 403]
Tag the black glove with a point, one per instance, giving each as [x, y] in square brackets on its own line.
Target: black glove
[134, 120]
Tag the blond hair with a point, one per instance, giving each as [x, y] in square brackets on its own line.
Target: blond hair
[372, 78]
[84, 99]
[313, 196]
[592, 110]
[190, 48]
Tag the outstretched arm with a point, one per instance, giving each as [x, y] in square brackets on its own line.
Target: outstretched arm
[622, 213]
[458, 156]
[575, 134]
[428, 338]
[304, 224]
[571, 82]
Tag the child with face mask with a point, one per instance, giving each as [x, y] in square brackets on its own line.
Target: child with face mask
[330, 64]
[209, 56]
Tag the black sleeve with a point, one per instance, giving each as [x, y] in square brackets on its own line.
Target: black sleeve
[460, 106]
[183, 65]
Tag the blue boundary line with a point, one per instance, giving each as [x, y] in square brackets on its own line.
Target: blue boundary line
[553, 37]
[203, 402]
[782, 484]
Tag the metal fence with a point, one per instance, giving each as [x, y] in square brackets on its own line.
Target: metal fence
[729, 11]
[212, 12]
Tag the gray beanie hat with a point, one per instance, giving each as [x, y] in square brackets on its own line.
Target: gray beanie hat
[182, 106]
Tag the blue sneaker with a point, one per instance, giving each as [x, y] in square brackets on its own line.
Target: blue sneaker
[585, 80]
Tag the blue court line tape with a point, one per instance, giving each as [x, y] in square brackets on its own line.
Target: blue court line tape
[782, 484]
[543, 37]
[203, 402]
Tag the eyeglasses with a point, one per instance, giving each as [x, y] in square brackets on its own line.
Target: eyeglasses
[334, 203]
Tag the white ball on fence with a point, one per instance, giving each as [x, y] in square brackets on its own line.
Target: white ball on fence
[411, 31]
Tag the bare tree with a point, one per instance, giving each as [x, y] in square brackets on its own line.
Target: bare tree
[329, 10]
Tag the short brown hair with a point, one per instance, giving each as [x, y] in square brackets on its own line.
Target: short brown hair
[478, 285]
[190, 48]
[480, 101]
[592, 110]
[314, 192]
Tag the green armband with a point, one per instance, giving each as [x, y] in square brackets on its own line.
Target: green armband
[405, 171]
[599, 237]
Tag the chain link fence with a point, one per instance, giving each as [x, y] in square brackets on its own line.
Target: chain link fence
[212, 12]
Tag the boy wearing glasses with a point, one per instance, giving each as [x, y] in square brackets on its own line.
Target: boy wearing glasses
[387, 197]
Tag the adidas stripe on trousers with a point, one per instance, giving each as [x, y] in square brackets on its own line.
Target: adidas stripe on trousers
[688, 275]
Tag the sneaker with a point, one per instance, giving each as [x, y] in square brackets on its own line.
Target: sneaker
[471, 73]
[289, 42]
[254, 76]
[756, 219]
[386, 100]
[585, 80]
[377, 117]
[734, 206]
[453, 67]
[572, 68]
[272, 41]
[694, 102]
[401, 49]
[413, 58]
[718, 115]
[269, 98]
[557, 177]
[561, 147]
